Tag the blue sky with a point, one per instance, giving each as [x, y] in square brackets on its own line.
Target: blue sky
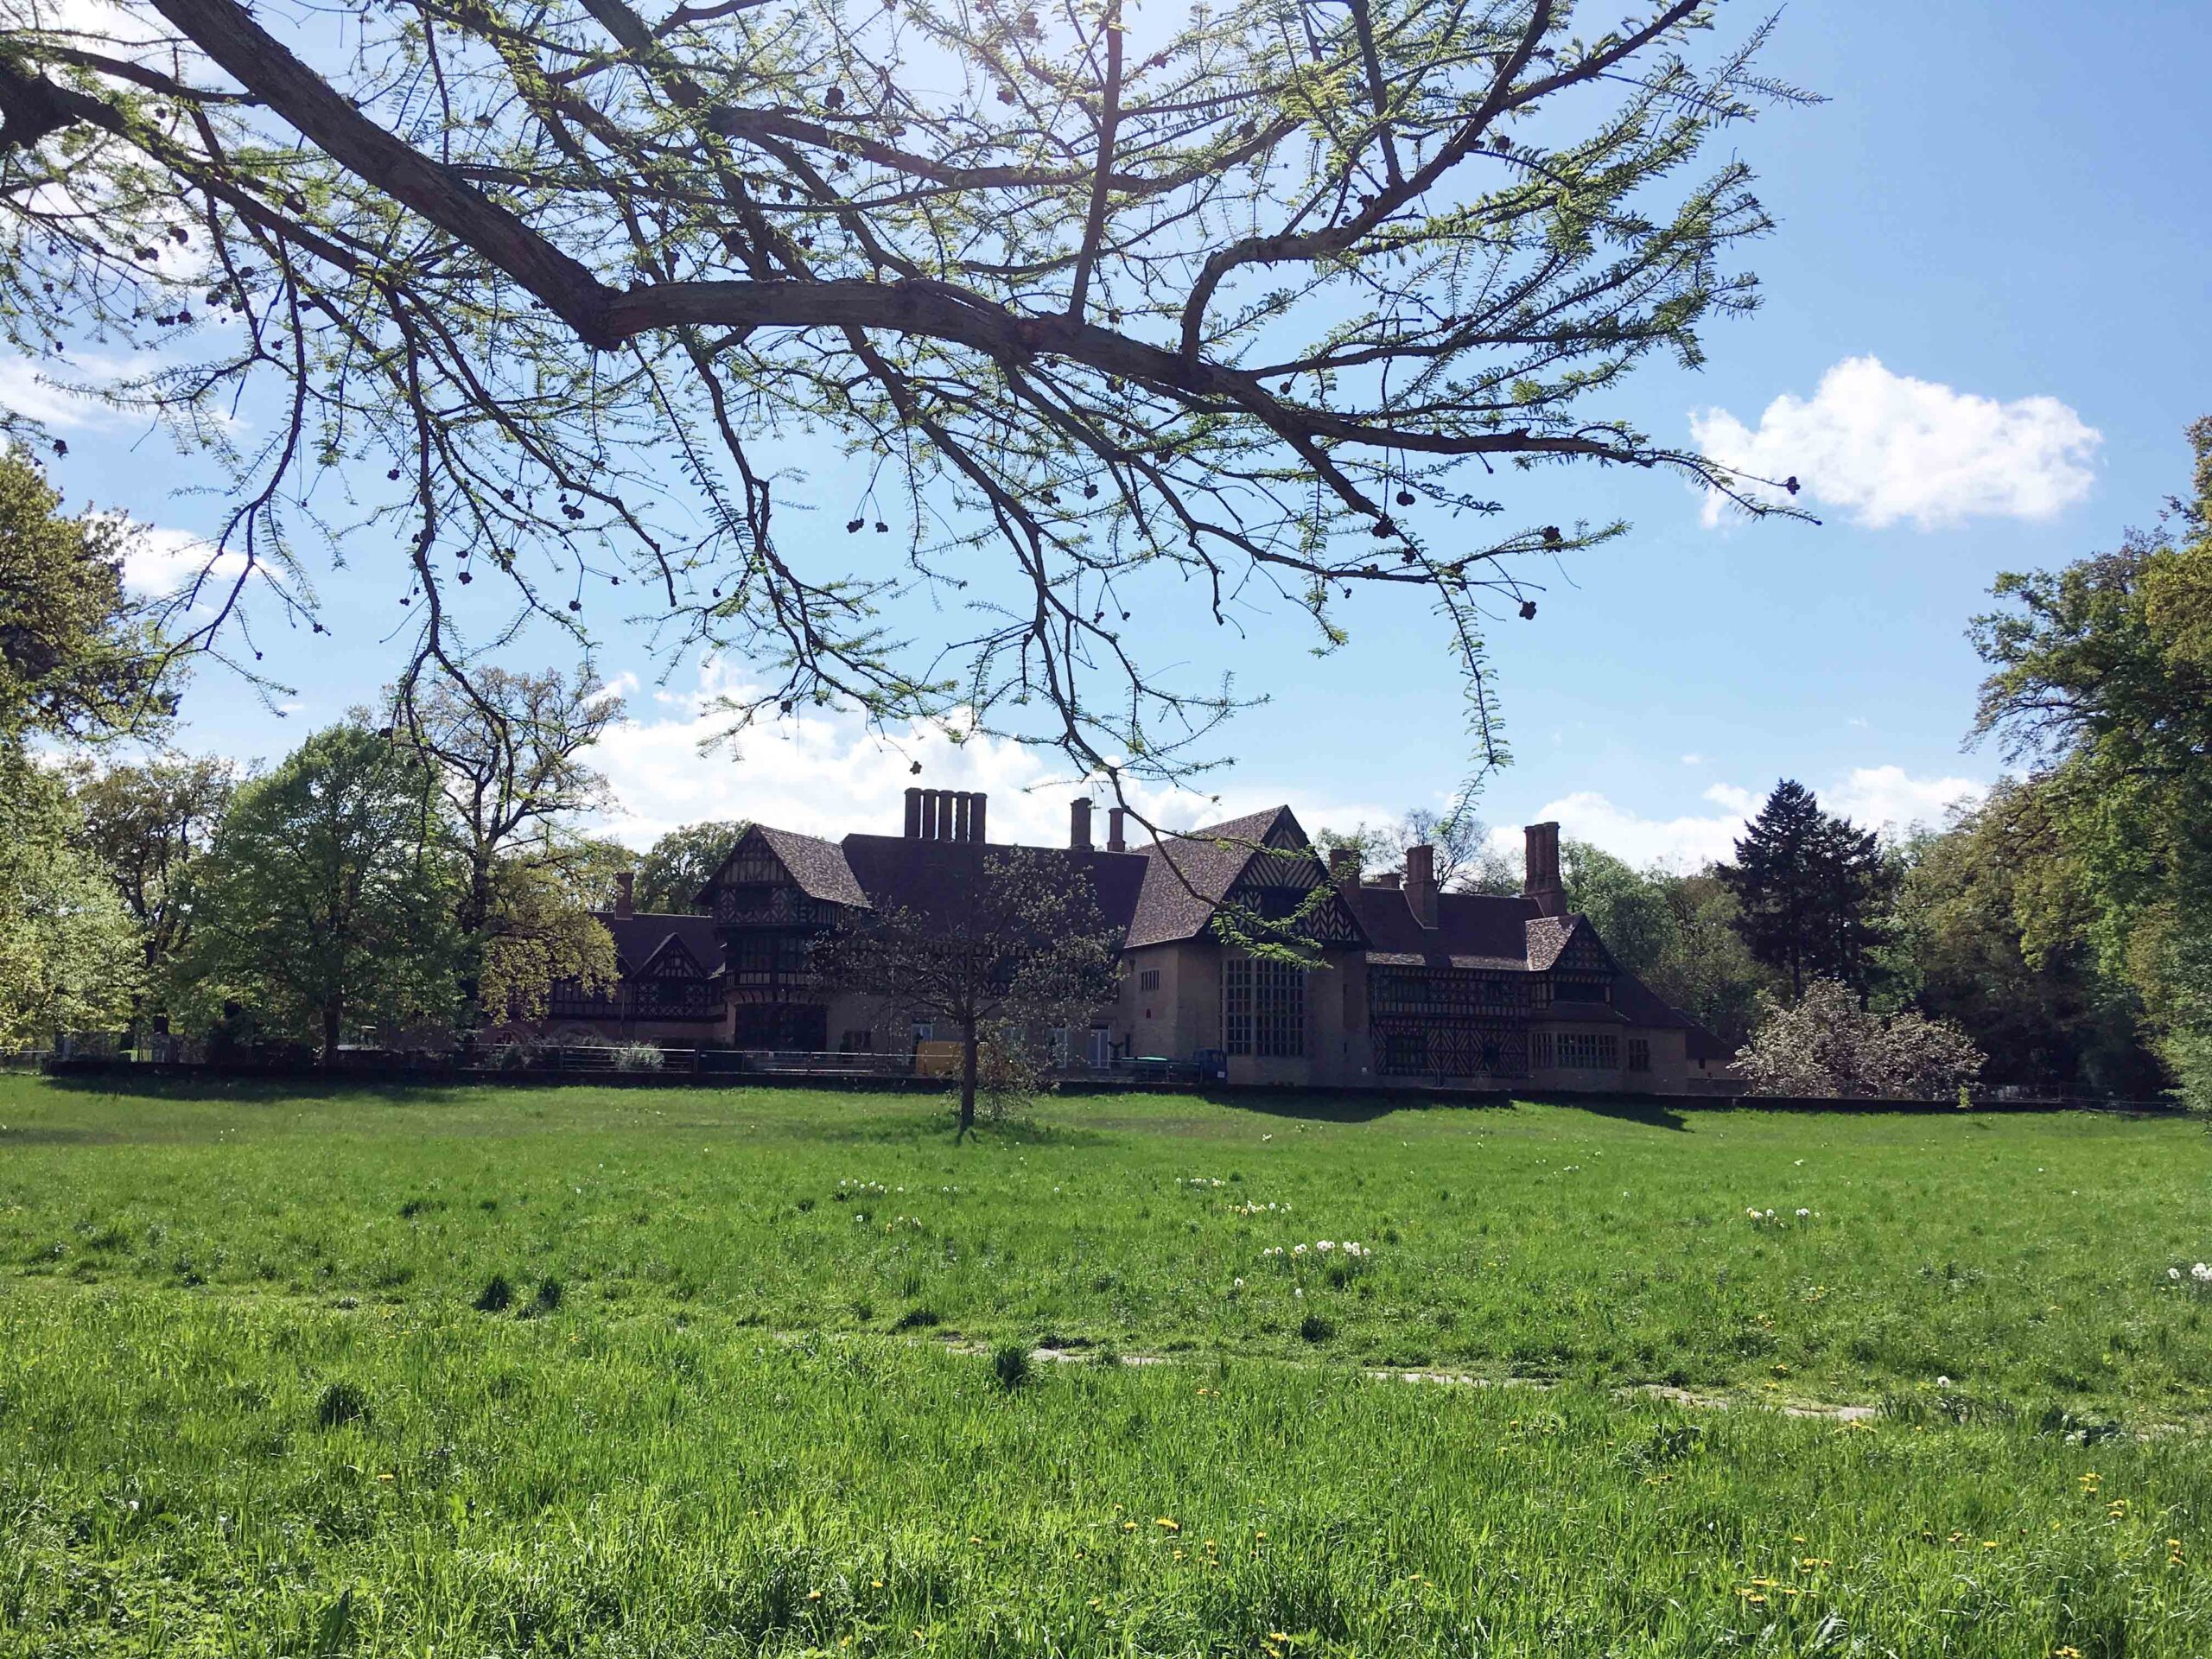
[1988, 298]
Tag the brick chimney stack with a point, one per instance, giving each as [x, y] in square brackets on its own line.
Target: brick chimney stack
[1117, 839]
[944, 815]
[1343, 868]
[626, 895]
[1420, 883]
[1079, 825]
[1541, 878]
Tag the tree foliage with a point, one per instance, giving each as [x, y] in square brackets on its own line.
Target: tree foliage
[1828, 1044]
[330, 897]
[2102, 683]
[2053, 1024]
[678, 865]
[1811, 889]
[1465, 861]
[78, 659]
[505, 750]
[146, 823]
[1015, 940]
[1108, 314]
[69, 952]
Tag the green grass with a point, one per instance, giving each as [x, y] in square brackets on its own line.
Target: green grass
[249, 1402]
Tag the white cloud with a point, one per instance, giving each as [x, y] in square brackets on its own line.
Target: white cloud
[160, 560]
[1874, 797]
[829, 775]
[1885, 797]
[30, 388]
[1734, 797]
[1886, 447]
[1692, 759]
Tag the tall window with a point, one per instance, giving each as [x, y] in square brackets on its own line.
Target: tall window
[1263, 1008]
[1639, 1053]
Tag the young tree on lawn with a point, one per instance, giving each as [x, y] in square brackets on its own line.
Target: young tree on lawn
[1013, 939]
[329, 894]
[78, 659]
[145, 823]
[69, 952]
[506, 751]
[677, 866]
[1260, 297]
[1826, 1044]
[1811, 890]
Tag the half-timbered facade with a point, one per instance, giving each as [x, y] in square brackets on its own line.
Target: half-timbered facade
[1403, 986]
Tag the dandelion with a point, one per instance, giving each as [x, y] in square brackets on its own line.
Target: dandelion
[1237, 1284]
[1297, 1293]
[2202, 1273]
[2173, 1273]
[1166, 1525]
[1803, 1214]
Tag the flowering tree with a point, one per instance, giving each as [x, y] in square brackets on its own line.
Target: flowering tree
[1825, 1044]
[1106, 313]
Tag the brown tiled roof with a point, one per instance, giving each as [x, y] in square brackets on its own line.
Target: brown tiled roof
[1547, 939]
[818, 865]
[1473, 930]
[639, 938]
[923, 875]
[1187, 876]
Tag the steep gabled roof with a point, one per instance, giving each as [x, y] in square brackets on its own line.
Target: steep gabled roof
[818, 866]
[1187, 876]
[1547, 937]
[640, 938]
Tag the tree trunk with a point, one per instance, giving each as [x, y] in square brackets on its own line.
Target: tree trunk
[332, 1011]
[967, 1078]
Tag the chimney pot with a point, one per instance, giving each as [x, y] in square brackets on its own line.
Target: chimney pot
[913, 814]
[1117, 839]
[975, 818]
[1079, 825]
[929, 815]
[626, 895]
[961, 805]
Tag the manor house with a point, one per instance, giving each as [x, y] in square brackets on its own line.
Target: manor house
[1413, 987]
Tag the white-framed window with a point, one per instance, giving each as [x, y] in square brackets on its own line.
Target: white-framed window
[1102, 1045]
[1263, 1008]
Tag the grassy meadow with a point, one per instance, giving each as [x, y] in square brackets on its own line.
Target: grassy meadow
[672, 1371]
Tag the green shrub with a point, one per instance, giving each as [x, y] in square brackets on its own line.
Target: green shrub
[1011, 1366]
[342, 1404]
